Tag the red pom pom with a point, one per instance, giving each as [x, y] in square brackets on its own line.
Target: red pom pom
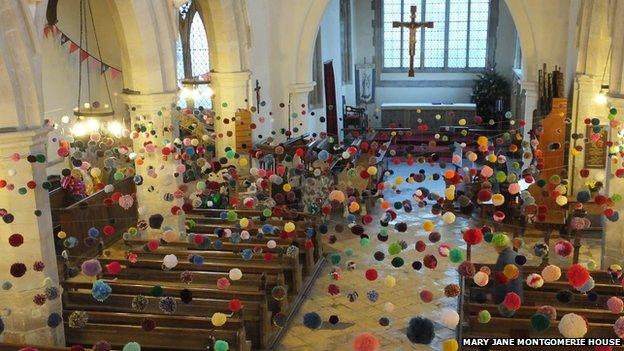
[426, 296]
[31, 184]
[484, 195]
[115, 196]
[309, 244]
[153, 245]
[365, 342]
[512, 301]
[421, 246]
[234, 305]
[473, 236]
[113, 268]
[500, 278]
[577, 275]
[198, 239]
[371, 274]
[268, 256]
[108, 230]
[333, 289]
[16, 240]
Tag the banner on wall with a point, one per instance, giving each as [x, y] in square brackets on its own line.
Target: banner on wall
[365, 83]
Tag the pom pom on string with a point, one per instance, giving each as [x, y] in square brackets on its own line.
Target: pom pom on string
[420, 331]
[365, 342]
[577, 275]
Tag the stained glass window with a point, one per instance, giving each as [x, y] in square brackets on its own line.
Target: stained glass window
[193, 59]
[458, 39]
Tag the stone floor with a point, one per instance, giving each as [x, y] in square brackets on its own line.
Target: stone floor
[362, 315]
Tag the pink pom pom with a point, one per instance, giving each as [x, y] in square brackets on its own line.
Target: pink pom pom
[563, 248]
[512, 301]
[577, 275]
[615, 304]
[365, 342]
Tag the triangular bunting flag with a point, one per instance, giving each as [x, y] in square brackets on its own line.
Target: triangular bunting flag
[103, 68]
[73, 47]
[115, 73]
[83, 55]
[47, 30]
[64, 38]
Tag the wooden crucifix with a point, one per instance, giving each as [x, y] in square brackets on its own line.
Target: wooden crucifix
[412, 25]
[257, 90]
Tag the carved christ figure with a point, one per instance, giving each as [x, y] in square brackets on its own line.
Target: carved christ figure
[412, 25]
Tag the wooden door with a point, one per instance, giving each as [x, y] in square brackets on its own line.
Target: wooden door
[330, 98]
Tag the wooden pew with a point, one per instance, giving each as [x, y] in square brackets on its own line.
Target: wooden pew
[79, 217]
[254, 314]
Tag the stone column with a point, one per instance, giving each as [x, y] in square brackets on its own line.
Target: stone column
[25, 321]
[530, 105]
[300, 120]
[231, 93]
[613, 242]
[159, 192]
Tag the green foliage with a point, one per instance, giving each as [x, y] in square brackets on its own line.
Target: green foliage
[489, 87]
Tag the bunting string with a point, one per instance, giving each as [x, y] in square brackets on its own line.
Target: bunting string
[84, 55]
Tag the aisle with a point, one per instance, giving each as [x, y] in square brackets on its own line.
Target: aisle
[363, 315]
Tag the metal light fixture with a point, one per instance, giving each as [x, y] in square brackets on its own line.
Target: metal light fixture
[189, 88]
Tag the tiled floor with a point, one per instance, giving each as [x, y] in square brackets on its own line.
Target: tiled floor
[362, 315]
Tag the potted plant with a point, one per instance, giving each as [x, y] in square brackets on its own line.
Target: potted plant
[492, 93]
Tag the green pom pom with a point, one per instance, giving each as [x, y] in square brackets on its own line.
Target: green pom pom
[500, 240]
[132, 346]
[156, 291]
[394, 249]
[501, 176]
[365, 242]
[541, 183]
[349, 252]
[540, 322]
[484, 316]
[398, 205]
[398, 262]
[221, 345]
[456, 255]
[383, 232]
[335, 258]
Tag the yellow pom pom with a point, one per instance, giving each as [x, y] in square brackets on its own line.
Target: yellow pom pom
[398, 180]
[372, 170]
[561, 200]
[450, 345]
[218, 319]
[511, 271]
[354, 207]
[491, 158]
[287, 187]
[289, 227]
[61, 235]
[498, 199]
[390, 281]
[244, 222]
[428, 226]
[243, 162]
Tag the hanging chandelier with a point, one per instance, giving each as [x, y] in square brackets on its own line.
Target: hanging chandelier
[189, 88]
[90, 108]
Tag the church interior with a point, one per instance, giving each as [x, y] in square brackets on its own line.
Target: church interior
[305, 175]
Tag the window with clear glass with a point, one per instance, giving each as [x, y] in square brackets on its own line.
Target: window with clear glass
[458, 39]
[193, 56]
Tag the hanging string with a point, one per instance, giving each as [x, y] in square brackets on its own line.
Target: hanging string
[97, 44]
[79, 53]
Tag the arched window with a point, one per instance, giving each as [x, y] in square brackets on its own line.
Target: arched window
[193, 55]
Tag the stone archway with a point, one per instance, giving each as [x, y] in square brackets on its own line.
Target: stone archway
[525, 32]
[147, 46]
